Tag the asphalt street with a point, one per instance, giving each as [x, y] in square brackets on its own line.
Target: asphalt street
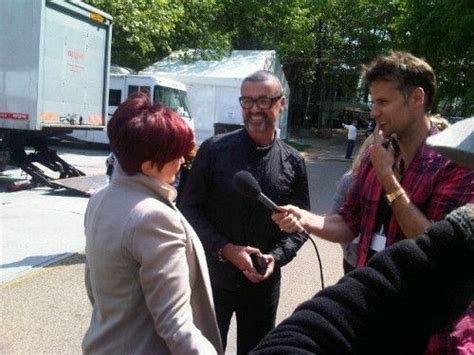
[44, 307]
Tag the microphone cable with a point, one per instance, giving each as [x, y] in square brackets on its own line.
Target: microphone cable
[321, 273]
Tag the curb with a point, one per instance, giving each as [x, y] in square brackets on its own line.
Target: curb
[342, 160]
[32, 270]
[312, 155]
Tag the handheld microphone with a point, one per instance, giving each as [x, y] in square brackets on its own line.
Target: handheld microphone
[245, 183]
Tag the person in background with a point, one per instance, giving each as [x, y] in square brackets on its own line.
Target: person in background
[146, 273]
[342, 191]
[440, 122]
[370, 128]
[406, 293]
[109, 165]
[402, 186]
[351, 137]
[233, 227]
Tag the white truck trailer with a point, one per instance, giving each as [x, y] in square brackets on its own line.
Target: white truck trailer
[54, 72]
[169, 92]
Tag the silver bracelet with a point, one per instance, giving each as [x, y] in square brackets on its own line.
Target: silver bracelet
[220, 256]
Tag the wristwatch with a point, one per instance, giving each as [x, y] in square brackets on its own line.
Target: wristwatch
[394, 195]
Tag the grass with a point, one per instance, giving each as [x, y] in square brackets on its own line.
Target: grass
[301, 147]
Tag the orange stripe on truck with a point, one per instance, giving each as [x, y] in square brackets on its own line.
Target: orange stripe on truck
[50, 116]
[95, 120]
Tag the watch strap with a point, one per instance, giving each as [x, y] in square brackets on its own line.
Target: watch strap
[394, 195]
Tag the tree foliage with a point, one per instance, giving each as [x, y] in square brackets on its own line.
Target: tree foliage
[321, 43]
[145, 31]
[442, 31]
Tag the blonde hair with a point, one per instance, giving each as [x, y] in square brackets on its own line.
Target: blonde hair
[440, 122]
[360, 153]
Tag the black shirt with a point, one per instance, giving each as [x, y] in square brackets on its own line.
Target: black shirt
[220, 215]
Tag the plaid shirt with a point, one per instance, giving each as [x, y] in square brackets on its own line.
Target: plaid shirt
[433, 183]
[456, 339]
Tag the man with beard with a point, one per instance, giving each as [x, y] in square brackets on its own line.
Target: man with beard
[233, 227]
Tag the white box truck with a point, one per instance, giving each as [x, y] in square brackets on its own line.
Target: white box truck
[54, 72]
[169, 92]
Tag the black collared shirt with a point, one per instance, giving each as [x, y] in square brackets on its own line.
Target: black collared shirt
[220, 215]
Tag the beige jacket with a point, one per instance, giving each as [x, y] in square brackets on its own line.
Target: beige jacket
[146, 274]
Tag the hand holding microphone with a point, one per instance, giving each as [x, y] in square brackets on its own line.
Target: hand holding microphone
[288, 218]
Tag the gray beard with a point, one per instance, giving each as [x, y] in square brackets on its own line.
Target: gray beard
[265, 126]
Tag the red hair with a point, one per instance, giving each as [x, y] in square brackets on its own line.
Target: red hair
[139, 131]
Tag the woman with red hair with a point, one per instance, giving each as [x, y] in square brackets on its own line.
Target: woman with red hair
[146, 272]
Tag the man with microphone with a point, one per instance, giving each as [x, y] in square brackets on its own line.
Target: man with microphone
[402, 186]
[406, 293]
[235, 229]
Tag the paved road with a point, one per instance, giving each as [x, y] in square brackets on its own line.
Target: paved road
[47, 311]
[41, 225]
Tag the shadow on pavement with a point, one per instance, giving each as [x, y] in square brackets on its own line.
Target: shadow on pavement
[74, 259]
[39, 260]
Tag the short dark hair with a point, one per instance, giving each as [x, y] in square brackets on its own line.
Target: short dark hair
[407, 70]
[264, 75]
[139, 131]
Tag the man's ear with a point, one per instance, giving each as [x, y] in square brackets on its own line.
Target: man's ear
[283, 101]
[418, 96]
[147, 167]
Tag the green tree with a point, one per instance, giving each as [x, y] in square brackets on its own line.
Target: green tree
[442, 31]
[284, 26]
[141, 28]
[145, 31]
[199, 28]
[321, 43]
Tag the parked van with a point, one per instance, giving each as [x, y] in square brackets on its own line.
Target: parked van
[170, 93]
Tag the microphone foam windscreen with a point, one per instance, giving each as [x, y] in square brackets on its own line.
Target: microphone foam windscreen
[246, 184]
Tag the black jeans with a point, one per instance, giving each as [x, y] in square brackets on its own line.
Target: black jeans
[255, 306]
[350, 147]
